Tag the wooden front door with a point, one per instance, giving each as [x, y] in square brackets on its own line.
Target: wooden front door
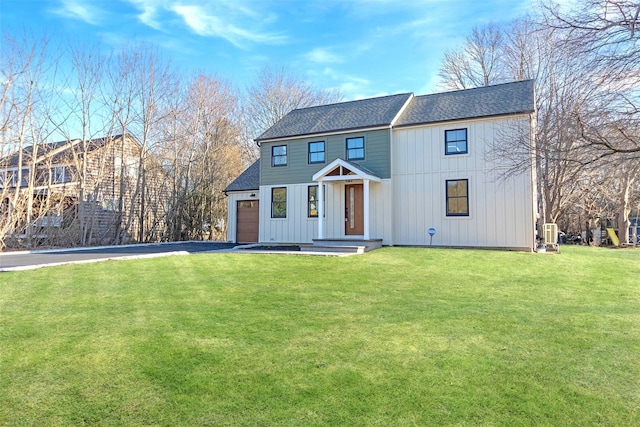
[247, 221]
[354, 209]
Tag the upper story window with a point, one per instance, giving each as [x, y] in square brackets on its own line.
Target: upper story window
[457, 197]
[10, 178]
[455, 141]
[355, 148]
[279, 155]
[316, 152]
[57, 175]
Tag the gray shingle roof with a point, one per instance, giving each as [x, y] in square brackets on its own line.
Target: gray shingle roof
[507, 98]
[248, 180]
[44, 151]
[364, 113]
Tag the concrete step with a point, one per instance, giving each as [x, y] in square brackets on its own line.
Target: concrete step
[369, 245]
[333, 248]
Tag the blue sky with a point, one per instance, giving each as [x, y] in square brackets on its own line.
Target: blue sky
[364, 48]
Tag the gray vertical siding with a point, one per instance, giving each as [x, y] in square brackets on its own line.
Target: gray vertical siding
[377, 157]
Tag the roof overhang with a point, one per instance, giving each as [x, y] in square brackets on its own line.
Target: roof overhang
[342, 170]
[460, 119]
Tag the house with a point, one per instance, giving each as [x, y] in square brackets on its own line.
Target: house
[76, 192]
[386, 170]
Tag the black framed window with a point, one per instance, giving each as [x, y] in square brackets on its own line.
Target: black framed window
[355, 148]
[316, 152]
[457, 197]
[455, 141]
[279, 202]
[312, 192]
[279, 155]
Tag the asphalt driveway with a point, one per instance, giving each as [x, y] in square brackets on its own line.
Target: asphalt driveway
[28, 260]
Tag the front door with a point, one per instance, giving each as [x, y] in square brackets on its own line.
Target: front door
[354, 209]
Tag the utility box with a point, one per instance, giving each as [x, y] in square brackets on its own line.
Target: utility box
[550, 234]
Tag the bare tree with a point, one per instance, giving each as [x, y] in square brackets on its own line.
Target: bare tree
[479, 62]
[275, 92]
[606, 34]
[202, 149]
[84, 81]
[153, 86]
[524, 50]
[29, 71]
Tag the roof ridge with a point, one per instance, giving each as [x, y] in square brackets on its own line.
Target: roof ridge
[476, 88]
[352, 101]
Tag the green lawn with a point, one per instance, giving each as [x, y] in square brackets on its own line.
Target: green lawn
[396, 337]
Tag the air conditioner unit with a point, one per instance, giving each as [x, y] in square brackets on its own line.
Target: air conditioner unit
[550, 234]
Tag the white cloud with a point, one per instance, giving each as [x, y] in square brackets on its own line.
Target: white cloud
[203, 23]
[352, 87]
[322, 56]
[148, 15]
[75, 9]
[233, 21]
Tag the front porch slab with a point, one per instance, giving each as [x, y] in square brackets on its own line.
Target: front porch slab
[369, 244]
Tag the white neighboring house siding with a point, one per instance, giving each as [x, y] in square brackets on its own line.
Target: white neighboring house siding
[233, 197]
[299, 228]
[501, 213]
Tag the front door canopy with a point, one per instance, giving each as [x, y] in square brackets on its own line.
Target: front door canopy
[342, 170]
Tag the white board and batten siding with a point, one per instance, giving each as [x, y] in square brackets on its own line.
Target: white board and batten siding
[501, 213]
[299, 228]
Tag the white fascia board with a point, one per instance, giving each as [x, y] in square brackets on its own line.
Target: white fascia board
[406, 104]
[455, 122]
[359, 173]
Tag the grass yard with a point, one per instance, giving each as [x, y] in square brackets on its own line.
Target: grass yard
[396, 337]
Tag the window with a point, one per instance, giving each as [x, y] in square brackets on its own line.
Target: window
[57, 175]
[279, 155]
[455, 141]
[25, 178]
[458, 197]
[279, 202]
[12, 178]
[316, 152]
[312, 198]
[355, 148]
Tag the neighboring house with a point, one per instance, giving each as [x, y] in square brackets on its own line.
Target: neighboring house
[93, 189]
[388, 169]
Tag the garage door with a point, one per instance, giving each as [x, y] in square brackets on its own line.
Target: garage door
[248, 219]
